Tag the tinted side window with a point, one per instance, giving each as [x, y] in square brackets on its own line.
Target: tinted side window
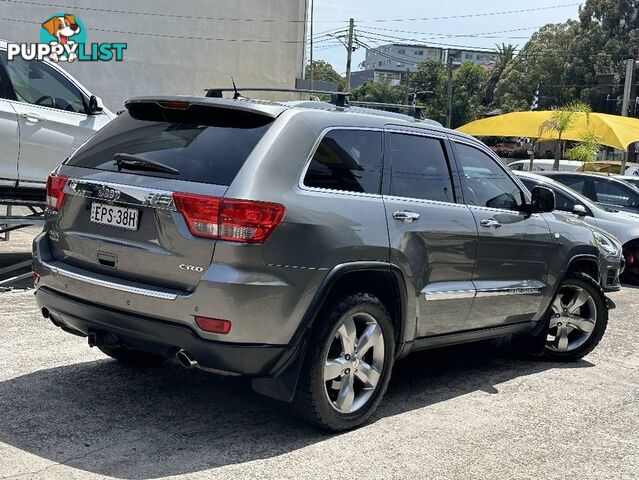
[419, 168]
[484, 182]
[576, 183]
[615, 194]
[38, 84]
[563, 202]
[348, 160]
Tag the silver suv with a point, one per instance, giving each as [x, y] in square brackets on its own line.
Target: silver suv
[308, 246]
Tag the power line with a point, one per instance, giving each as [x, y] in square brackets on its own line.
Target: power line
[150, 14]
[461, 34]
[176, 37]
[469, 15]
[275, 20]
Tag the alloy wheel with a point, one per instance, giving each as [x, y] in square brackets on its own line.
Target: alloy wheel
[573, 319]
[354, 362]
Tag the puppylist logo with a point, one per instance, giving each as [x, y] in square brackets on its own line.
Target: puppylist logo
[63, 38]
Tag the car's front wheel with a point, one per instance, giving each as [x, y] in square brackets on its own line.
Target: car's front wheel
[348, 364]
[578, 319]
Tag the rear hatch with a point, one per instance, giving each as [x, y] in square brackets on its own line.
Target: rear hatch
[118, 215]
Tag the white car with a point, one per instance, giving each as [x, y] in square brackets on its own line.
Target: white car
[45, 114]
[542, 164]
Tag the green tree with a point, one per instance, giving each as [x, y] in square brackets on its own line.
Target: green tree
[430, 79]
[562, 119]
[468, 82]
[324, 71]
[382, 92]
[505, 54]
[558, 60]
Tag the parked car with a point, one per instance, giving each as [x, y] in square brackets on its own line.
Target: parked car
[541, 164]
[45, 114]
[308, 248]
[609, 166]
[632, 180]
[623, 226]
[608, 192]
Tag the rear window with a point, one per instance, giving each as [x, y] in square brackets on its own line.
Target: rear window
[204, 144]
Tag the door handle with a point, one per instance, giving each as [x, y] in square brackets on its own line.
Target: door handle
[406, 216]
[32, 117]
[490, 222]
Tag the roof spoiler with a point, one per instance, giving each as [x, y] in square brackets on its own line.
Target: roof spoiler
[339, 99]
[413, 110]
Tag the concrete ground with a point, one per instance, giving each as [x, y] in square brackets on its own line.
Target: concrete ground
[67, 411]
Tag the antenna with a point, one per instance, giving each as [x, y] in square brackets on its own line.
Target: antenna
[237, 94]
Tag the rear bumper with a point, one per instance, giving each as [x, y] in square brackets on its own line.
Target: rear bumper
[161, 337]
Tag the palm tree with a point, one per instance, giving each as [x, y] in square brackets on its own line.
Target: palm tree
[505, 54]
[561, 120]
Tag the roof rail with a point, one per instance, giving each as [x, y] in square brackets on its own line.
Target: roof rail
[413, 110]
[339, 99]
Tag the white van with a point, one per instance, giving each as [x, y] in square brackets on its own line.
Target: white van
[542, 164]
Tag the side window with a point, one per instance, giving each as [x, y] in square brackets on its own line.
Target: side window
[484, 182]
[563, 202]
[38, 84]
[419, 168]
[349, 160]
[615, 194]
[576, 183]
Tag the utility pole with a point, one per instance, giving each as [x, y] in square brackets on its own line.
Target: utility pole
[349, 49]
[311, 69]
[449, 95]
[630, 65]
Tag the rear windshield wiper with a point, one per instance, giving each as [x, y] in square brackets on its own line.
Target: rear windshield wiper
[132, 162]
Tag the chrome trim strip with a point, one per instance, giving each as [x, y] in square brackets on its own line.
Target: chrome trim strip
[527, 287]
[449, 290]
[106, 284]
[462, 290]
[127, 194]
[449, 295]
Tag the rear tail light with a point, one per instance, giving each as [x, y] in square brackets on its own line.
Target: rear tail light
[242, 221]
[213, 325]
[55, 191]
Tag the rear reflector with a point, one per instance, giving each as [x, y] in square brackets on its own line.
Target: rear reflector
[232, 220]
[55, 191]
[213, 325]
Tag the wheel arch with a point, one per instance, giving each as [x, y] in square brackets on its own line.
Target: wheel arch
[341, 280]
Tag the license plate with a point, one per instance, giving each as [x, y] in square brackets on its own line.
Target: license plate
[114, 216]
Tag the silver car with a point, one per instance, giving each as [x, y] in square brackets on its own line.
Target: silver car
[624, 226]
[308, 247]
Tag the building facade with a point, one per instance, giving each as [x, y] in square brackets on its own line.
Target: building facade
[390, 63]
[176, 47]
[400, 57]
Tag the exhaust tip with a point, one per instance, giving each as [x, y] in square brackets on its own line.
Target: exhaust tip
[45, 312]
[185, 359]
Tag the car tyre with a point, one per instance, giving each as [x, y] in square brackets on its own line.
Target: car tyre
[340, 358]
[578, 319]
[131, 356]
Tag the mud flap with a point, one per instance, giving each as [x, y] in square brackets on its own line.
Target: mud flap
[282, 385]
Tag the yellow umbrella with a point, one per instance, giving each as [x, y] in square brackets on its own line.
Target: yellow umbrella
[612, 130]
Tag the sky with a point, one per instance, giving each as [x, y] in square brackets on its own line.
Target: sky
[377, 20]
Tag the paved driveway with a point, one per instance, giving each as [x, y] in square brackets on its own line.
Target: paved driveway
[469, 412]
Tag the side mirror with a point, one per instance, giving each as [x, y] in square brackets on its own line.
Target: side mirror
[543, 199]
[95, 105]
[579, 210]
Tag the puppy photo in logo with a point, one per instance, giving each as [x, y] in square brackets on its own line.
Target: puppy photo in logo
[62, 28]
